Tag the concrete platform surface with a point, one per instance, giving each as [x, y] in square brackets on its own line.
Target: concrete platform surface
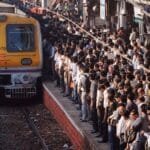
[67, 116]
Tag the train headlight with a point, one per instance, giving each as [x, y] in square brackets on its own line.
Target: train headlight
[16, 78]
[26, 79]
[17, 81]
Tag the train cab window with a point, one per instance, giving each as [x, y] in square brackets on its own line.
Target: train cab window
[20, 38]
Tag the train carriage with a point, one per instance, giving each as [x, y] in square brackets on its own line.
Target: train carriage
[20, 54]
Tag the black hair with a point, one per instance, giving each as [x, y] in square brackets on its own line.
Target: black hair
[142, 99]
[135, 112]
[144, 108]
[93, 76]
[75, 59]
[106, 84]
[121, 105]
[101, 86]
[126, 114]
[131, 96]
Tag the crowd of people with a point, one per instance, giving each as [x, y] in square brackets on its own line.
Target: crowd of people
[108, 81]
[112, 92]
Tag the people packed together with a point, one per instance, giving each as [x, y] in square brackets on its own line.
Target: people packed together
[112, 92]
[109, 82]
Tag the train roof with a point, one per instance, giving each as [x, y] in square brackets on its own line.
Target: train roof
[8, 8]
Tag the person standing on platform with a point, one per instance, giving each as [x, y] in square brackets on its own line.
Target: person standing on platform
[84, 88]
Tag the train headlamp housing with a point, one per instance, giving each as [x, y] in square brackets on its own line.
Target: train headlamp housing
[3, 18]
[24, 79]
[17, 81]
[26, 61]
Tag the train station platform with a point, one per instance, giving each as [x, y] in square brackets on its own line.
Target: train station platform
[67, 116]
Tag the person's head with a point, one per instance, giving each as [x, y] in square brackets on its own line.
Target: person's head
[129, 69]
[110, 69]
[90, 51]
[121, 85]
[75, 59]
[101, 86]
[116, 80]
[99, 46]
[130, 97]
[110, 99]
[144, 109]
[127, 87]
[133, 29]
[118, 98]
[126, 114]
[81, 66]
[140, 91]
[121, 109]
[96, 67]
[92, 75]
[137, 75]
[133, 115]
[141, 99]
[103, 74]
[106, 84]
[148, 112]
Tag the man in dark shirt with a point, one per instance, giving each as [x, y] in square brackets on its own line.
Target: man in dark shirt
[93, 92]
[130, 104]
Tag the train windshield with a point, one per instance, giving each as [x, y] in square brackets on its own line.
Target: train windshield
[20, 38]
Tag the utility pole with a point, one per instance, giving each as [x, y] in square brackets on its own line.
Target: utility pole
[121, 12]
[44, 3]
[85, 12]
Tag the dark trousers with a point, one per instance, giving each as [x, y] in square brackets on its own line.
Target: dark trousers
[100, 116]
[75, 94]
[52, 68]
[140, 143]
[46, 66]
[94, 119]
[79, 100]
[57, 79]
[122, 146]
[114, 143]
[105, 131]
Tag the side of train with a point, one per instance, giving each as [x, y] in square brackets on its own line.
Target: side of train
[20, 54]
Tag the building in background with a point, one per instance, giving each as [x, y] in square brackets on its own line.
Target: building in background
[142, 18]
[113, 13]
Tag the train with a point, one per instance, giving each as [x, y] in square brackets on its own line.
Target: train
[21, 57]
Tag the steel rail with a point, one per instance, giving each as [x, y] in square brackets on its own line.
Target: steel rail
[34, 128]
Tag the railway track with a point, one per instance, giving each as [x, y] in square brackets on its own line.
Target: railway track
[30, 127]
[33, 127]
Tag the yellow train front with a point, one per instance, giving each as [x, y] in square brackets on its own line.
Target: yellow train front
[20, 54]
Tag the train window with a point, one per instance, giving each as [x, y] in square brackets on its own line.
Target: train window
[20, 38]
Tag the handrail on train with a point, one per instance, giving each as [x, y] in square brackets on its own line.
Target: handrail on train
[8, 8]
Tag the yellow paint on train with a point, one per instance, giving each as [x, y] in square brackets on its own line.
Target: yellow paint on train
[20, 54]
[10, 58]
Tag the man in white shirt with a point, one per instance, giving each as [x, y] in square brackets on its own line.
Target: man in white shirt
[73, 68]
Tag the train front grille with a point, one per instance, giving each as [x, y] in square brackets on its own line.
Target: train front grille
[20, 93]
